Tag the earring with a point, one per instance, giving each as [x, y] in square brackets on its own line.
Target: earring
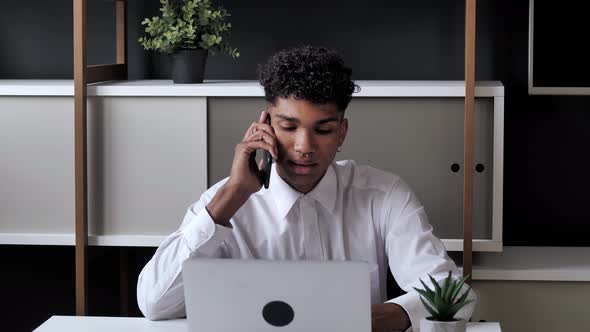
[338, 149]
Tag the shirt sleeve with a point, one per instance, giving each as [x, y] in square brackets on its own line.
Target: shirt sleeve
[160, 292]
[414, 252]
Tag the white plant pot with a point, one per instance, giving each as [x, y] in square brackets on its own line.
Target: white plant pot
[427, 325]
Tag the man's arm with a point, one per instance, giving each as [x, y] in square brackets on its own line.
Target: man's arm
[206, 225]
[414, 252]
[160, 293]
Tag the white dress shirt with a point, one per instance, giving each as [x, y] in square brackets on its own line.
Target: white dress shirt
[354, 213]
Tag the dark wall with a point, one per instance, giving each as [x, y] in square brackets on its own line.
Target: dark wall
[379, 39]
[546, 137]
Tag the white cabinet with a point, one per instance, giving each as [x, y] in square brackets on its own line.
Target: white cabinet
[154, 147]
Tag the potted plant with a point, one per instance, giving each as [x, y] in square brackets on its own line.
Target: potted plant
[443, 303]
[187, 30]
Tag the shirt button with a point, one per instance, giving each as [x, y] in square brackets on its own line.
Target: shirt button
[203, 235]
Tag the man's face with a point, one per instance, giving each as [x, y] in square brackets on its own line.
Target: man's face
[308, 137]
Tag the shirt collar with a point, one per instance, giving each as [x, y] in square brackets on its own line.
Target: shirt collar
[285, 196]
[325, 191]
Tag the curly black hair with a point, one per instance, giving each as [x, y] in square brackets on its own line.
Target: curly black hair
[314, 74]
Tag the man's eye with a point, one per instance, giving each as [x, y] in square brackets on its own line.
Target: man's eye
[324, 131]
[288, 128]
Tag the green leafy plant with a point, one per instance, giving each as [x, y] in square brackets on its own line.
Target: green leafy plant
[444, 301]
[188, 24]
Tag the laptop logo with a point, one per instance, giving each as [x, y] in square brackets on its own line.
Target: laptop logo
[278, 313]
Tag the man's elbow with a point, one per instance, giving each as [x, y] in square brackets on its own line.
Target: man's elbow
[157, 305]
[148, 307]
[153, 314]
[153, 310]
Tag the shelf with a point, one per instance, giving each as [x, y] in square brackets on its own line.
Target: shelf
[93, 240]
[214, 109]
[234, 88]
[533, 264]
[513, 263]
[478, 245]
[155, 240]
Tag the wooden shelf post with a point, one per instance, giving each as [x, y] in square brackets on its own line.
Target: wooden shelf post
[468, 136]
[84, 75]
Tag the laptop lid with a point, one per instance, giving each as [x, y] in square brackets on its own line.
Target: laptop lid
[229, 295]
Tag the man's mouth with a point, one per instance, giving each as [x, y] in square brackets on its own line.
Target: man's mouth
[301, 167]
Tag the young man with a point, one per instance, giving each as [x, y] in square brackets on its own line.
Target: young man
[315, 208]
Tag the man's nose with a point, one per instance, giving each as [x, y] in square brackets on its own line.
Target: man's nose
[305, 142]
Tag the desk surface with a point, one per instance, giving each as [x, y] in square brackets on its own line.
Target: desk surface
[126, 324]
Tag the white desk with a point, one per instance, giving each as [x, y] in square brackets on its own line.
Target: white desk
[126, 324]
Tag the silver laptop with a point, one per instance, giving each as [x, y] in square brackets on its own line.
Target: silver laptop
[230, 295]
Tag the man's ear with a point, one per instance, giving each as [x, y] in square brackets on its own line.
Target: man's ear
[343, 131]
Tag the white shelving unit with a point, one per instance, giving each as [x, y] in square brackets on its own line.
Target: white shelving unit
[158, 89]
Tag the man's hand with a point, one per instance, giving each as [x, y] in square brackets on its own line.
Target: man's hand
[245, 177]
[387, 317]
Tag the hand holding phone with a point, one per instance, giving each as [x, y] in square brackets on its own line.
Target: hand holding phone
[246, 175]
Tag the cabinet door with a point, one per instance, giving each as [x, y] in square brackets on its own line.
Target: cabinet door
[419, 139]
[36, 169]
[146, 164]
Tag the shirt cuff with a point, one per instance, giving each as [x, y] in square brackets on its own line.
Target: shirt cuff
[411, 303]
[203, 235]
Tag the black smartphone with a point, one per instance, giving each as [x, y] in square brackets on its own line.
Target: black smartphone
[266, 162]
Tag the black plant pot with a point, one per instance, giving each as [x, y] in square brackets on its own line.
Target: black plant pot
[188, 66]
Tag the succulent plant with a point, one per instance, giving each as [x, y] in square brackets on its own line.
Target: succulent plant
[444, 301]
